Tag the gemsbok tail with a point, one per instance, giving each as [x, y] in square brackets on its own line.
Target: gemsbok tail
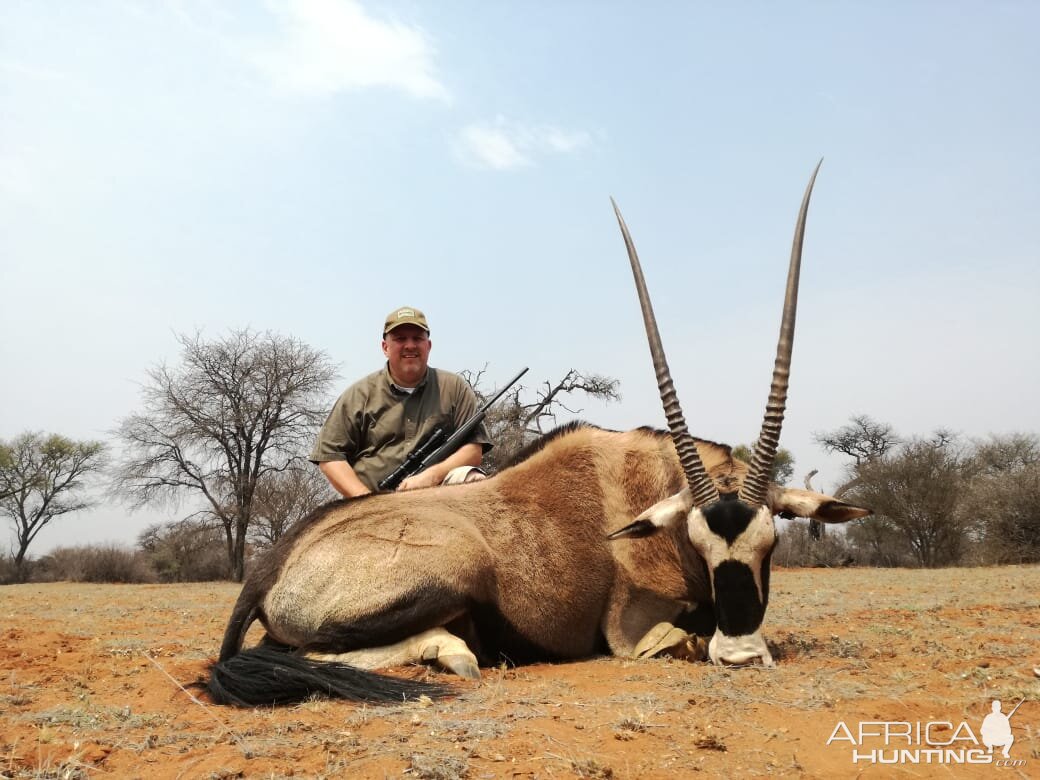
[272, 674]
[268, 675]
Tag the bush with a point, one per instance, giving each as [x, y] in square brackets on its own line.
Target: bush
[875, 541]
[94, 563]
[8, 570]
[186, 551]
[795, 548]
[1002, 504]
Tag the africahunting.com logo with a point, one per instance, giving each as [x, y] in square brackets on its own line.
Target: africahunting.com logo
[932, 742]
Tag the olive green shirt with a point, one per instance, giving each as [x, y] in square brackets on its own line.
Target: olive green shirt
[374, 425]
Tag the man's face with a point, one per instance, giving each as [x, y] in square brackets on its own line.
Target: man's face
[407, 348]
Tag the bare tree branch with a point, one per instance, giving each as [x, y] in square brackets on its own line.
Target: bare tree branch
[513, 422]
[233, 410]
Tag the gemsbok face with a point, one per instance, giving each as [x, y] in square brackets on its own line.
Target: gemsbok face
[731, 531]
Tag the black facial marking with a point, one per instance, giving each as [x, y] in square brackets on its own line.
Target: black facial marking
[700, 622]
[729, 517]
[737, 605]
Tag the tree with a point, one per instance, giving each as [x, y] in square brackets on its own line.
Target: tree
[6, 461]
[518, 418]
[916, 493]
[285, 497]
[1007, 454]
[783, 464]
[235, 410]
[863, 439]
[42, 477]
[1003, 500]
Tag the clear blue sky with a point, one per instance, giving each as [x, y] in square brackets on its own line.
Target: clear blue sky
[305, 167]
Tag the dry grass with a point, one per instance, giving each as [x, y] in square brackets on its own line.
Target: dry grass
[95, 686]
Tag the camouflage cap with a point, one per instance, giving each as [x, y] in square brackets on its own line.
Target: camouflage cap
[406, 315]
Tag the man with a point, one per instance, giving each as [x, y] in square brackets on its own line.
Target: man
[996, 729]
[380, 419]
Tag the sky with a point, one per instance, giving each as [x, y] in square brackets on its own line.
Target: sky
[305, 166]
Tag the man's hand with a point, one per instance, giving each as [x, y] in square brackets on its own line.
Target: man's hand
[425, 478]
[466, 455]
[342, 477]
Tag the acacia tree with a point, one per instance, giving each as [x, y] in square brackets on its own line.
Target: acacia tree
[863, 439]
[234, 410]
[1003, 500]
[6, 460]
[783, 463]
[522, 414]
[916, 493]
[42, 477]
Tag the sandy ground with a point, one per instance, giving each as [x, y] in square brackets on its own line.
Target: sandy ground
[91, 676]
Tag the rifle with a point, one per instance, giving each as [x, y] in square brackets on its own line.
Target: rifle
[433, 450]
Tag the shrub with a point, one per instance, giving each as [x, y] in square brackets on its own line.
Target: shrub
[93, 563]
[186, 551]
[796, 548]
[8, 569]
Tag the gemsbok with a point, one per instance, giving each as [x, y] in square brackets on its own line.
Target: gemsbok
[542, 561]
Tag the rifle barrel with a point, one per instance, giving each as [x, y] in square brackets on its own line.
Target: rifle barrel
[501, 392]
[467, 427]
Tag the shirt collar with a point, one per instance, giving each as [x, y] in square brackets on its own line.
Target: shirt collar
[397, 389]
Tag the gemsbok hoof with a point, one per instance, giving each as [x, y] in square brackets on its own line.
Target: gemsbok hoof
[461, 665]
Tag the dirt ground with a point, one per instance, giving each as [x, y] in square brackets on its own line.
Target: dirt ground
[91, 678]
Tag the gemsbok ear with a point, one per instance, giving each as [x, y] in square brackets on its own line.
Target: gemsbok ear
[664, 514]
[794, 502]
[637, 529]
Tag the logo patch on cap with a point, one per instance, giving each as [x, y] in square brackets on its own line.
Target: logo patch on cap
[406, 315]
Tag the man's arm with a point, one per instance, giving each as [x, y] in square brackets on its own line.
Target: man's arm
[343, 478]
[466, 455]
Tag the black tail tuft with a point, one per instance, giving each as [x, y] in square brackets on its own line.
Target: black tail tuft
[264, 676]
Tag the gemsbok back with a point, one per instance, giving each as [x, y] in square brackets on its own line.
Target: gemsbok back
[543, 561]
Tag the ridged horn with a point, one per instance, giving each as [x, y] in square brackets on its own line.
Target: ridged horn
[753, 491]
[701, 486]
